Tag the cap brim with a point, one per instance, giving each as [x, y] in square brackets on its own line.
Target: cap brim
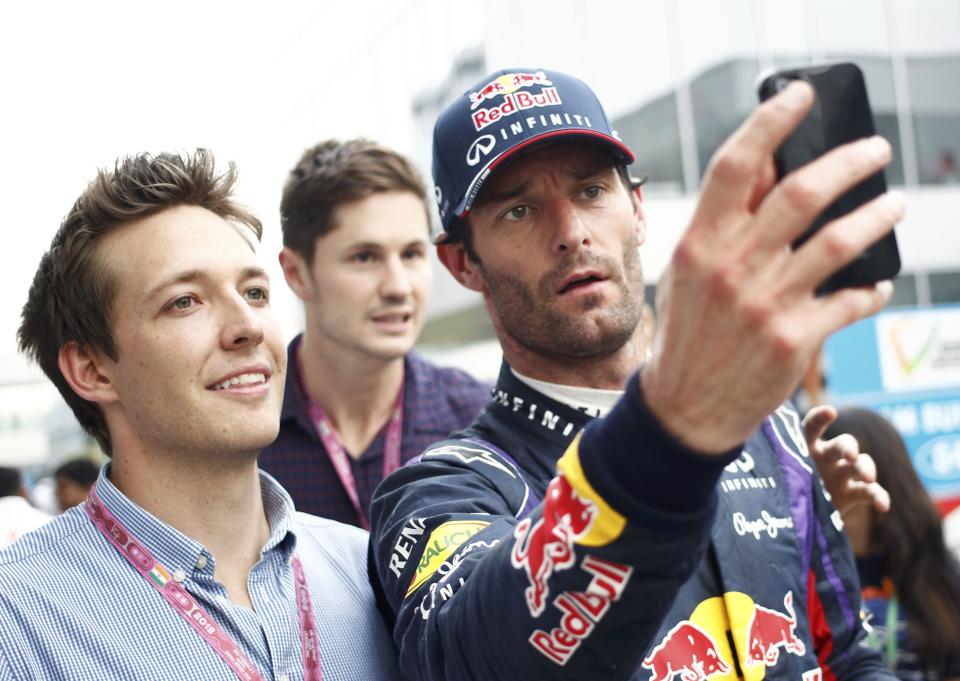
[621, 151]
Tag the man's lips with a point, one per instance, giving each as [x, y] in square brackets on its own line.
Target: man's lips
[246, 378]
[580, 279]
[393, 317]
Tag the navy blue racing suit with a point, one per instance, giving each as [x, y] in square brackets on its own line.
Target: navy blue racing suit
[542, 544]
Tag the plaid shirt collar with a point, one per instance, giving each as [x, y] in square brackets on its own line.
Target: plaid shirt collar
[424, 406]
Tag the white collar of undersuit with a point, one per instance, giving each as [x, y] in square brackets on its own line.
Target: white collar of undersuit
[591, 401]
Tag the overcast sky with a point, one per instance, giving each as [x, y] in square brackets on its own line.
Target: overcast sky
[84, 82]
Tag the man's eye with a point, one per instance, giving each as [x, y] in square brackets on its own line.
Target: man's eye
[182, 303]
[592, 192]
[258, 294]
[517, 213]
[362, 257]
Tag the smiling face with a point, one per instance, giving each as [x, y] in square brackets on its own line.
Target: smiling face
[201, 360]
[557, 236]
[367, 287]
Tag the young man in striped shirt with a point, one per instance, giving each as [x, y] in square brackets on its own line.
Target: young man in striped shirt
[151, 314]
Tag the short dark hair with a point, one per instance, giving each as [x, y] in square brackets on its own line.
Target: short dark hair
[84, 472]
[333, 173]
[71, 296]
[10, 482]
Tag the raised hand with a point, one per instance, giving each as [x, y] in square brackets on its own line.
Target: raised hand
[738, 318]
[849, 475]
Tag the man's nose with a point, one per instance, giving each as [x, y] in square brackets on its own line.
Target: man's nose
[395, 282]
[570, 231]
[242, 326]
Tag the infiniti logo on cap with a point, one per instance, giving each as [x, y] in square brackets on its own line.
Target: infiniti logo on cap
[481, 147]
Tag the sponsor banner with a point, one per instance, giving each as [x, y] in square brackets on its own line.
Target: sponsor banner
[919, 349]
[442, 542]
[905, 364]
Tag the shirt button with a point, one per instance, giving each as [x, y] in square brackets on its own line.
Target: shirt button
[283, 677]
[179, 575]
[201, 562]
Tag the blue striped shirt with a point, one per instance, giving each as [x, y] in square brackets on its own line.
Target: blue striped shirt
[71, 607]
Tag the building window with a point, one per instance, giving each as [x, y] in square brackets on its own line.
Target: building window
[904, 291]
[721, 97]
[653, 135]
[936, 117]
[945, 287]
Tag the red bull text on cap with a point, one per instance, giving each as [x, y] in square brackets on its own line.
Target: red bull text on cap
[502, 114]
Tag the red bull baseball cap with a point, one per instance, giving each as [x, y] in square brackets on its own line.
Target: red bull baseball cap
[502, 114]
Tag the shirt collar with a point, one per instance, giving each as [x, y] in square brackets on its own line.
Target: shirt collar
[516, 401]
[591, 401]
[417, 414]
[175, 550]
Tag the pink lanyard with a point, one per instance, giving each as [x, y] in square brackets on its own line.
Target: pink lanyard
[338, 455]
[159, 578]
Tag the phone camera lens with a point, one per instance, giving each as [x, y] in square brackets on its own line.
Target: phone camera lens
[780, 84]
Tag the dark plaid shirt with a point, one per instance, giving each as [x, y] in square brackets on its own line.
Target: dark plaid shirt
[436, 402]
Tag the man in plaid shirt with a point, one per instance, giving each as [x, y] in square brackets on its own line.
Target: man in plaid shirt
[358, 403]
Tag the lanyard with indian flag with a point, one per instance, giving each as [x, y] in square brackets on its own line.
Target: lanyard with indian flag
[338, 454]
[184, 604]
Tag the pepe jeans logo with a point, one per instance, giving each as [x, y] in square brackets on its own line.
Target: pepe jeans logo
[765, 524]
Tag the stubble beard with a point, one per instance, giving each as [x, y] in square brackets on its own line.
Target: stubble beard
[529, 317]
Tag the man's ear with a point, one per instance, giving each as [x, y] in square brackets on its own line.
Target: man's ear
[454, 258]
[640, 222]
[296, 272]
[87, 374]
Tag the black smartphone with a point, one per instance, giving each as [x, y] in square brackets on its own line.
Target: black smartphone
[840, 114]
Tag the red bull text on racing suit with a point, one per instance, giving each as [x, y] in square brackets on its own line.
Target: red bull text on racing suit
[685, 568]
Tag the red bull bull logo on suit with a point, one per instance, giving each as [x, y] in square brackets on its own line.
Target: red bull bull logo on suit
[547, 545]
[686, 650]
[770, 630]
[728, 638]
